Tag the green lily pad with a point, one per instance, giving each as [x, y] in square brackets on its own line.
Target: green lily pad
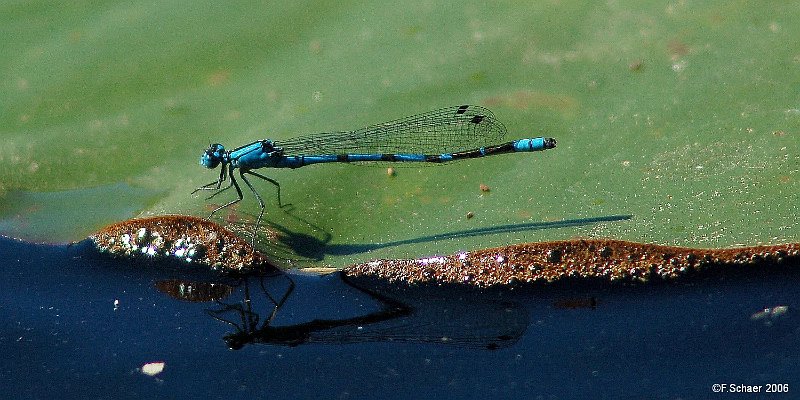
[683, 118]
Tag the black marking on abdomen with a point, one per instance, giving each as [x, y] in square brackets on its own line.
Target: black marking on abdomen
[486, 151]
[433, 159]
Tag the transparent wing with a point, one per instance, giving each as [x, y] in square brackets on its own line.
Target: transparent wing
[446, 130]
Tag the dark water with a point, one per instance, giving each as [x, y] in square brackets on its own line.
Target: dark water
[63, 337]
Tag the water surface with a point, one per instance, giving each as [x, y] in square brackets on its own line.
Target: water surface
[65, 337]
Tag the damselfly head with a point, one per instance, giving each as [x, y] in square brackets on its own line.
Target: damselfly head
[212, 156]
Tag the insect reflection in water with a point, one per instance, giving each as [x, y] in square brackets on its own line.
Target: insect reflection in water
[413, 317]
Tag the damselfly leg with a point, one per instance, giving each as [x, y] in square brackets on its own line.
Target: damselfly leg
[260, 204]
[244, 310]
[223, 177]
[216, 184]
[250, 320]
[278, 303]
[232, 202]
[227, 173]
[270, 180]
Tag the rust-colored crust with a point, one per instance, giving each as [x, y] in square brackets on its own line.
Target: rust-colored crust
[584, 259]
[187, 239]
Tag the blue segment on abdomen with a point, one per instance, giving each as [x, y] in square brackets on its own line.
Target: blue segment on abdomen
[529, 144]
[299, 161]
[408, 157]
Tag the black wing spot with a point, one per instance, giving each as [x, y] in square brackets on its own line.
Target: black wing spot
[477, 119]
[462, 109]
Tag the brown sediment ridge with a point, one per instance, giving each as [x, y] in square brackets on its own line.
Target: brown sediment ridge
[582, 259]
[185, 239]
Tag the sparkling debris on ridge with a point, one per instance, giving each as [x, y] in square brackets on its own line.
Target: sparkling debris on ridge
[186, 239]
[590, 259]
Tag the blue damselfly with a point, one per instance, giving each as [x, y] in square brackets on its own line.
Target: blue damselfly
[447, 134]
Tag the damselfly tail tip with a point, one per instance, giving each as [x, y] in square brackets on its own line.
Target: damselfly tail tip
[549, 143]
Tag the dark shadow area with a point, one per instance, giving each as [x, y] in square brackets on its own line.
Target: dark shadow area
[287, 243]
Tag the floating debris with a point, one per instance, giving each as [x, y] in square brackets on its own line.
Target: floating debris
[485, 188]
[583, 259]
[153, 368]
[188, 240]
[770, 314]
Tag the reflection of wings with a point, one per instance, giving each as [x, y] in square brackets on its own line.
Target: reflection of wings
[455, 321]
[489, 326]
